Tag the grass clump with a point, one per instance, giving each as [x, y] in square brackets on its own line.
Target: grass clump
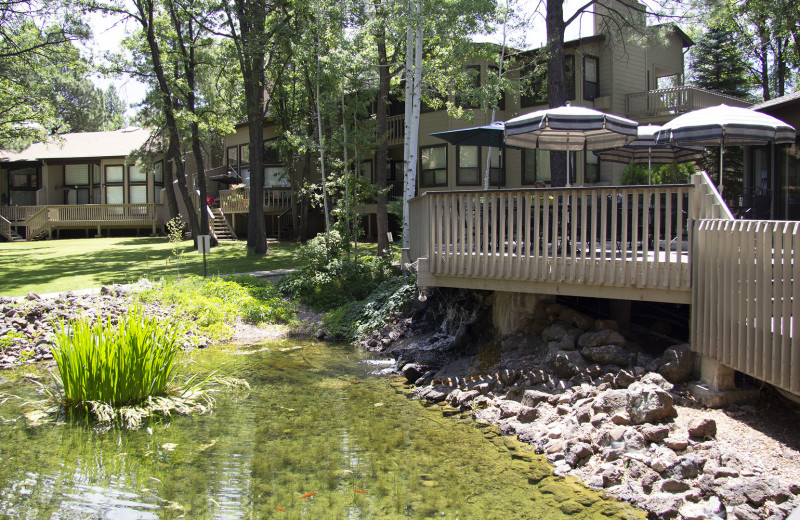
[329, 277]
[355, 319]
[212, 304]
[118, 364]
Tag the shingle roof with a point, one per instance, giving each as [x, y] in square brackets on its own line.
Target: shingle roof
[117, 143]
[777, 101]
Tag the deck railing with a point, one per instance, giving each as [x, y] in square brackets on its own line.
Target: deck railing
[90, 215]
[238, 200]
[620, 236]
[674, 101]
[5, 228]
[744, 301]
[396, 129]
[18, 213]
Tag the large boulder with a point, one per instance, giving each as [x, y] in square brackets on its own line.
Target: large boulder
[601, 337]
[566, 364]
[607, 355]
[678, 363]
[611, 401]
[648, 403]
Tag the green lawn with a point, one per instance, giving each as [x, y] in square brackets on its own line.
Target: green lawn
[61, 265]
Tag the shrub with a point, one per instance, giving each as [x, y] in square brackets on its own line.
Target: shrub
[634, 175]
[117, 364]
[213, 303]
[355, 319]
[675, 173]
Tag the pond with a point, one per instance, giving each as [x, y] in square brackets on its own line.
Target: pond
[316, 437]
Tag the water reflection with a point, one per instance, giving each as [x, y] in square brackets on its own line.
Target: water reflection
[316, 437]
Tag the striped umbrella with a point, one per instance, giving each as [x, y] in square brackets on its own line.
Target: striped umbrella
[569, 128]
[644, 149]
[725, 126]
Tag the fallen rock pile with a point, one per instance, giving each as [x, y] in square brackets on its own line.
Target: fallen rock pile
[604, 411]
[28, 325]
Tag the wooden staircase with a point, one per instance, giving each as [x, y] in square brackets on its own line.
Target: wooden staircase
[7, 232]
[220, 226]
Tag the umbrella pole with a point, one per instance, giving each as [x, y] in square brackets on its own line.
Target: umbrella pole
[649, 167]
[721, 163]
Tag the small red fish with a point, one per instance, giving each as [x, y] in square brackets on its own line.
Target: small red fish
[361, 491]
[308, 495]
[279, 508]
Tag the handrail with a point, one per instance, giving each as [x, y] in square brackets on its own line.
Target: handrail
[18, 213]
[5, 228]
[634, 236]
[706, 200]
[676, 100]
[238, 200]
[36, 223]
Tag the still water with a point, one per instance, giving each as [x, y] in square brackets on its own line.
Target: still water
[316, 437]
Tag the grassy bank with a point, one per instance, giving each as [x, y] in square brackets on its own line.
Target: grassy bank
[62, 265]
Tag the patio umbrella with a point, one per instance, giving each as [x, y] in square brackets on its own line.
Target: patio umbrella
[644, 149]
[570, 129]
[487, 135]
[723, 125]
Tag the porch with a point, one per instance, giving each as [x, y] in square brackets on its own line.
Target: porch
[672, 244]
[40, 221]
[658, 106]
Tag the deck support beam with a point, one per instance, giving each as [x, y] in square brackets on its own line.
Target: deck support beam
[717, 385]
[510, 310]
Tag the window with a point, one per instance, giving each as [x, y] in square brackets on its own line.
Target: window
[136, 174]
[536, 166]
[22, 185]
[96, 183]
[497, 170]
[468, 166]
[474, 83]
[591, 84]
[271, 153]
[592, 171]
[158, 181]
[114, 189]
[535, 83]
[77, 183]
[501, 100]
[137, 185]
[232, 158]
[433, 166]
[244, 163]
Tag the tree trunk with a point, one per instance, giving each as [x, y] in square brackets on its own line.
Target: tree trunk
[382, 153]
[556, 81]
[413, 98]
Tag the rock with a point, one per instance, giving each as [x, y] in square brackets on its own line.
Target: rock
[606, 324]
[524, 413]
[653, 378]
[601, 337]
[621, 419]
[578, 319]
[611, 475]
[759, 491]
[32, 296]
[678, 363]
[702, 510]
[686, 467]
[413, 371]
[745, 512]
[634, 440]
[649, 403]
[436, 393]
[623, 379]
[606, 355]
[674, 486]
[654, 433]
[703, 428]
[534, 397]
[610, 402]
[676, 444]
[663, 505]
[577, 453]
[570, 339]
[648, 480]
[554, 332]
[566, 364]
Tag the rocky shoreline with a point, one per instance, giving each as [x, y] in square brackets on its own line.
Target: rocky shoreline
[599, 408]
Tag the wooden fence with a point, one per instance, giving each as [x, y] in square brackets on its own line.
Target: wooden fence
[744, 301]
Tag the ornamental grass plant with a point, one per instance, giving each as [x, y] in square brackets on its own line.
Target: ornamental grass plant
[118, 364]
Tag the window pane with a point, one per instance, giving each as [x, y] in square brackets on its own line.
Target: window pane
[158, 174]
[23, 178]
[244, 154]
[96, 199]
[233, 157]
[590, 70]
[468, 165]
[114, 173]
[245, 175]
[22, 198]
[157, 195]
[114, 195]
[275, 176]
[136, 174]
[138, 195]
[76, 174]
[434, 157]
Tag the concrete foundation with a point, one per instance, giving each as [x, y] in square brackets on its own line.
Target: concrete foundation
[717, 386]
[509, 310]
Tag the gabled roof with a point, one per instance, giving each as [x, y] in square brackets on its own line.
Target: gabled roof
[80, 145]
[687, 42]
[788, 98]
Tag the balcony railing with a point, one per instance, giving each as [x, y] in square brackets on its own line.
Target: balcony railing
[49, 218]
[238, 200]
[670, 102]
[18, 213]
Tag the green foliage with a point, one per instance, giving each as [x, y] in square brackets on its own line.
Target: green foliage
[116, 363]
[328, 279]
[675, 173]
[175, 228]
[719, 63]
[213, 303]
[354, 319]
[634, 175]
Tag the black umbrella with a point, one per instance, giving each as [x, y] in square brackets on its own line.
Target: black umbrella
[492, 135]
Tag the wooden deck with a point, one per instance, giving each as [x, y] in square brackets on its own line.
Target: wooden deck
[44, 220]
[238, 201]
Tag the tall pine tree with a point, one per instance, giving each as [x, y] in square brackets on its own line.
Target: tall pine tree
[718, 63]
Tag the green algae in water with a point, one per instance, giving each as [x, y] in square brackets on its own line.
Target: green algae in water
[317, 437]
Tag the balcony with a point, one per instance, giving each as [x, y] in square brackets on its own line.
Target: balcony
[659, 106]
